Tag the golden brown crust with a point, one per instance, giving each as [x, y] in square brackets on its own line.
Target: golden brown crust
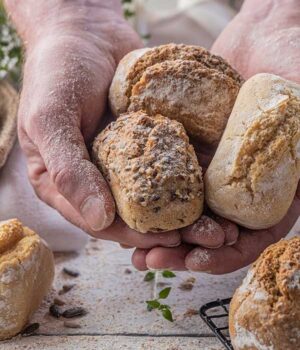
[152, 170]
[134, 78]
[8, 119]
[26, 274]
[187, 91]
[11, 232]
[253, 176]
[265, 310]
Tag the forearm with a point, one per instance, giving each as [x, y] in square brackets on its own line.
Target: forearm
[35, 20]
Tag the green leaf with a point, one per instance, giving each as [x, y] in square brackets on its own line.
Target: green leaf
[167, 314]
[163, 307]
[163, 294]
[15, 52]
[149, 276]
[126, 1]
[128, 13]
[168, 274]
[152, 304]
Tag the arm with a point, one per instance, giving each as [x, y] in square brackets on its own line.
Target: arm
[72, 49]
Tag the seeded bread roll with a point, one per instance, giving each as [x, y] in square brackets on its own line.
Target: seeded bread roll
[152, 170]
[253, 176]
[26, 274]
[8, 119]
[181, 82]
[265, 311]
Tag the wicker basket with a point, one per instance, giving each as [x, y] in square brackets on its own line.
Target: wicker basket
[8, 119]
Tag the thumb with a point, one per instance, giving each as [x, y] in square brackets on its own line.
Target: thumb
[64, 153]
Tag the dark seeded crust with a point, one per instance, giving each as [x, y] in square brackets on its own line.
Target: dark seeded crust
[152, 170]
[200, 98]
[273, 318]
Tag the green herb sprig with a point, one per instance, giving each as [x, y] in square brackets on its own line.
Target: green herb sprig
[10, 49]
[156, 304]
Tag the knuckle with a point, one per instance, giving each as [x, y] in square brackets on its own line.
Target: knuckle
[61, 177]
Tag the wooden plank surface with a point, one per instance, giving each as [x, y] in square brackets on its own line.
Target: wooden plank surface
[114, 295]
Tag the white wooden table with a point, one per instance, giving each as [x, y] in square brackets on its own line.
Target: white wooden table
[114, 294]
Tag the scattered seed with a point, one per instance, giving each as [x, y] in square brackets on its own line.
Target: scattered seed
[54, 311]
[190, 313]
[71, 324]
[58, 302]
[72, 273]
[66, 288]
[74, 312]
[127, 271]
[188, 284]
[30, 329]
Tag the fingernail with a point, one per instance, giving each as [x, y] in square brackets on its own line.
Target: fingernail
[231, 243]
[94, 213]
[173, 244]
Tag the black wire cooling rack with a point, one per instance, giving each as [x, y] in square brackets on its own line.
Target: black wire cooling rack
[215, 315]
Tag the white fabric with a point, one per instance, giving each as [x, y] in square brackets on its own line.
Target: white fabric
[18, 200]
[196, 22]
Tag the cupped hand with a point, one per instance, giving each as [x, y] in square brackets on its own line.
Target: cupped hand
[72, 49]
[263, 37]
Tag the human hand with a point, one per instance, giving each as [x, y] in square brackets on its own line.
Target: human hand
[72, 49]
[264, 37]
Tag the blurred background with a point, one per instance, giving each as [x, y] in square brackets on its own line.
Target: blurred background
[196, 22]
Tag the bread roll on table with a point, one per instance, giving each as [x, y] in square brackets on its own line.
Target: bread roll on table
[152, 171]
[26, 274]
[181, 82]
[265, 311]
[253, 177]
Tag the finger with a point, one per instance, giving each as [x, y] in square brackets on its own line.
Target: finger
[123, 234]
[248, 247]
[230, 229]
[168, 258]
[76, 178]
[204, 232]
[138, 259]
[118, 230]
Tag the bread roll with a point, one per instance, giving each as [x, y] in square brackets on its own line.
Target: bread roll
[26, 274]
[181, 82]
[265, 311]
[8, 119]
[152, 170]
[253, 176]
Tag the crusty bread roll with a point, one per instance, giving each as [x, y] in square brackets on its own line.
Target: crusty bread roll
[8, 119]
[152, 170]
[26, 274]
[253, 176]
[265, 311]
[181, 82]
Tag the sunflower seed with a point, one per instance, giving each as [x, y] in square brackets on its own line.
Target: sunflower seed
[74, 312]
[54, 311]
[30, 329]
[70, 272]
